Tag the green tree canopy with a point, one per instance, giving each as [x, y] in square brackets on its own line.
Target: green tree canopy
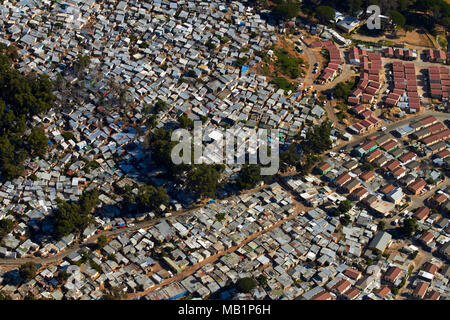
[203, 179]
[37, 141]
[286, 9]
[410, 226]
[249, 176]
[325, 13]
[398, 19]
[151, 198]
[28, 271]
[247, 284]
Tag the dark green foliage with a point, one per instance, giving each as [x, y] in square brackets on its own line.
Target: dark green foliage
[410, 226]
[101, 241]
[20, 98]
[210, 45]
[81, 64]
[343, 208]
[27, 271]
[325, 13]
[381, 225]
[288, 64]
[37, 141]
[241, 61]
[246, 284]
[220, 216]
[413, 255]
[318, 138]
[397, 18]
[185, 122]
[249, 176]
[67, 135]
[75, 217]
[345, 220]
[286, 9]
[159, 106]
[203, 179]
[284, 84]
[6, 226]
[342, 89]
[62, 276]
[151, 198]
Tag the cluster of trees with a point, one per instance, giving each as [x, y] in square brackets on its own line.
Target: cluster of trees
[404, 13]
[285, 9]
[282, 83]
[21, 97]
[246, 284]
[28, 271]
[410, 226]
[75, 216]
[204, 180]
[148, 198]
[305, 155]
[6, 226]
[249, 176]
[342, 89]
[318, 138]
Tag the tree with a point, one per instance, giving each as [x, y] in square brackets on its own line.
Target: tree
[381, 225]
[185, 122]
[325, 13]
[159, 106]
[101, 241]
[246, 284]
[397, 18]
[75, 217]
[28, 271]
[81, 64]
[37, 141]
[345, 220]
[203, 179]
[286, 9]
[342, 89]
[410, 226]
[249, 176]
[344, 207]
[151, 198]
[6, 226]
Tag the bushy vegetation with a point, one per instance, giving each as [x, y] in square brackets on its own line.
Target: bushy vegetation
[249, 176]
[246, 284]
[286, 9]
[28, 271]
[6, 226]
[75, 216]
[284, 84]
[342, 89]
[204, 180]
[288, 64]
[410, 226]
[21, 97]
[325, 13]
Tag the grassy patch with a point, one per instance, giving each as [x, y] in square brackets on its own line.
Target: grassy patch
[288, 64]
[284, 84]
